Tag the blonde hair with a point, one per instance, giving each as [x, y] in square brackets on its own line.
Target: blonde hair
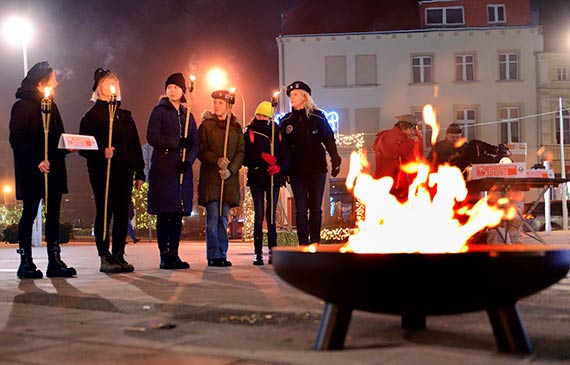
[310, 105]
[96, 93]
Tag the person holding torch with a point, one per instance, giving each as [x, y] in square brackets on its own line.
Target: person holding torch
[266, 158]
[112, 169]
[173, 134]
[221, 153]
[39, 167]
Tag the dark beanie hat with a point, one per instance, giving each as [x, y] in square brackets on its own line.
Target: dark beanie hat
[37, 73]
[99, 74]
[454, 128]
[298, 85]
[176, 79]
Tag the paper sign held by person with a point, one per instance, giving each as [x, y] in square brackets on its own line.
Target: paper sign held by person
[77, 142]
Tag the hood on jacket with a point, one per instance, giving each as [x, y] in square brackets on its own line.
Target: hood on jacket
[28, 92]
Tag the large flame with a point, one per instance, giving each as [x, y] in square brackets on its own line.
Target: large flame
[436, 217]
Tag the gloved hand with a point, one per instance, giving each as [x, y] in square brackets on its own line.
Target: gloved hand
[183, 166]
[269, 158]
[273, 170]
[335, 167]
[223, 163]
[225, 174]
[184, 143]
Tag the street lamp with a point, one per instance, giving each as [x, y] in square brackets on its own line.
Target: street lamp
[216, 78]
[18, 31]
[7, 190]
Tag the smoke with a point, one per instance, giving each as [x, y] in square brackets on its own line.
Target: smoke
[104, 47]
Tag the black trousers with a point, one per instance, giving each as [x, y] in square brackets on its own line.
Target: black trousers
[29, 214]
[308, 193]
[168, 231]
[260, 196]
[120, 190]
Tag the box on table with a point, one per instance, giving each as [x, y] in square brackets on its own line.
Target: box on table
[549, 174]
[518, 151]
[507, 170]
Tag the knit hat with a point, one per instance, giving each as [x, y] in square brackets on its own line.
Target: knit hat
[264, 108]
[298, 85]
[178, 80]
[220, 94]
[98, 75]
[454, 128]
[37, 73]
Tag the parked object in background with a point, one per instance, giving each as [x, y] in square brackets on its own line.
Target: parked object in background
[537, 219]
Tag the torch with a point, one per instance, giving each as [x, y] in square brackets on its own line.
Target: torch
[189, 92]
[46, 116]
[230, 99]
[274, 103]
[112, 110]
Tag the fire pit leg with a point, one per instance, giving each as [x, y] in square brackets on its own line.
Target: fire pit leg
[413, 322]
[333, 327]
[509, 331]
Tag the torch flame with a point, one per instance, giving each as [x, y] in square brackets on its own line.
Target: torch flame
[192, 78]
[46, 92]
[276, 94]
[427, 222]
[232, 90]
[112, 88]
[431, 120]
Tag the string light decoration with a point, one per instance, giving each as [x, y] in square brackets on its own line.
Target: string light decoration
[335, 234]
[248, 216]
[348, 140]
[140, 203]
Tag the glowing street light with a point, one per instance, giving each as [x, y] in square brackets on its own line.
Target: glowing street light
[217, 78]
[18, 31]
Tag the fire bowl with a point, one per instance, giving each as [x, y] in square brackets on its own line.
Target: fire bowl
[490, 278]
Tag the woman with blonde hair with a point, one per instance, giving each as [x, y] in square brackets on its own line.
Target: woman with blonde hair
[127, 166]
[308, 134]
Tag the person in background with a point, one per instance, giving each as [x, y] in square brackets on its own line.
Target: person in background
[308, 134]
[131, 215]
[445, 150]
[214, 169]
[27, 142]
[127, 167]
[169, 199]
[395, 147]
[261, 165]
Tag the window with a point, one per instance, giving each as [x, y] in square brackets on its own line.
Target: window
[335, 70]
[367, 120]
[467, 119]
[366, 73]
[465, 67]
[496, 13]
[511, 126]
[425, 129]
[566, 126]
[421, 69]
[444, 16]
[508, 66]
[562, 73]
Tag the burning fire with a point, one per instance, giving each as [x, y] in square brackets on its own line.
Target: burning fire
[46, 92]
[428, 221]
[112, 89]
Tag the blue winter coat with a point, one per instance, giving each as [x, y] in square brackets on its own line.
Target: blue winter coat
[165, 128]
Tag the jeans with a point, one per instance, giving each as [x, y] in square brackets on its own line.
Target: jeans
[308, 193]
[29, 213]
[260, 195]
[217, 230]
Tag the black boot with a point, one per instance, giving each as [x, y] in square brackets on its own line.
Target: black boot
[120, 259]
[56, 267]
[271, 243]
[258, 247]
[27, 268]
[176, 260]
[108, 264]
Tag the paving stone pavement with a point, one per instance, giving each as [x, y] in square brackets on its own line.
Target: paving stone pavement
[239, 315]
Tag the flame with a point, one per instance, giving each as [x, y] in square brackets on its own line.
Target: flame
[192, 78]
[232, 90]
[112, 88]
[46, 92]
[276, 94]
[431, 120]
[428, 222]
[460, 142]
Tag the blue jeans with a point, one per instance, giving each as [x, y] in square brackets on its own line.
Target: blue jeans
[308, 192]
[217, 230]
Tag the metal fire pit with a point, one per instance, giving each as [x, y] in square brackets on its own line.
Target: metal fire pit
[490, 278]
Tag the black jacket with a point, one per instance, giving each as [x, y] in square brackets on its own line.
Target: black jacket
[305, 137]
[27, 141]
[257, 140]
[127, 155]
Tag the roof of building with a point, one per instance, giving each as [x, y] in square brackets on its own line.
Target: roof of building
[341, 16]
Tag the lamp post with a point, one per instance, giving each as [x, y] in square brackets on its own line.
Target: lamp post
[18, 31]
[242, 107]
[7, 189]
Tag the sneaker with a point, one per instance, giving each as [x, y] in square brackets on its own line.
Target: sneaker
[108, 264]
[216, 263]
[120, 259]
[136, 240]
